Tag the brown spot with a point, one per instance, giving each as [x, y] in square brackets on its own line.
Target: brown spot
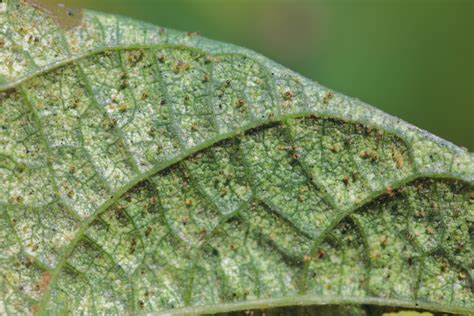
[43, 283]
[2, 43]
[306, 258]
[144, 96]
[430, 230]
[206, 78]
[162, 58]
[36, 308]
[188, 202]
[384, 242]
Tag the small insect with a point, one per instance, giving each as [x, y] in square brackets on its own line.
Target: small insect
[123, 108]
[384, 241]
[320, 254]
[185, 220]
[327, 97]
[203, 233]
[181, 67]
[135, 56]
[240, 103]
[133, 246]
[123, 84]
[192, 34]
[370, 154]
[19, 199]
[398, 159]
[288, 96]
[374, 254]
[148, 231]
[346, 180]
[390, 192]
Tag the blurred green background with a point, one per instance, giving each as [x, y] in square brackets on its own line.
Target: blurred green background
[411, 58]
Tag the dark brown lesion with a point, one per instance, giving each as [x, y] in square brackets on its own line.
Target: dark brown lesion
[61, 11]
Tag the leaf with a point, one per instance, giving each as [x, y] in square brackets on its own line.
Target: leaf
[149, 170]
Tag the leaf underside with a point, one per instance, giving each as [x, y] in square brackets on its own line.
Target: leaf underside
[148, 170]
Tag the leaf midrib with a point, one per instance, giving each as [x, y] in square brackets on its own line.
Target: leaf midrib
[312, 299]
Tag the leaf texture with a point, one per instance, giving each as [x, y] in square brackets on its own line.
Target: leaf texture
[148, 170]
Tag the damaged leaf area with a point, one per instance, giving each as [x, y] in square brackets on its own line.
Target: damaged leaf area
[145, 170]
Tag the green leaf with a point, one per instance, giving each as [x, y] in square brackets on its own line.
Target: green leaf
[148, 170]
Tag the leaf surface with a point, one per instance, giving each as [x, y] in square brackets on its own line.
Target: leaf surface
[148, 170]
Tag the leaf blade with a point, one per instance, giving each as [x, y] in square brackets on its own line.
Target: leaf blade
[301, 160]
